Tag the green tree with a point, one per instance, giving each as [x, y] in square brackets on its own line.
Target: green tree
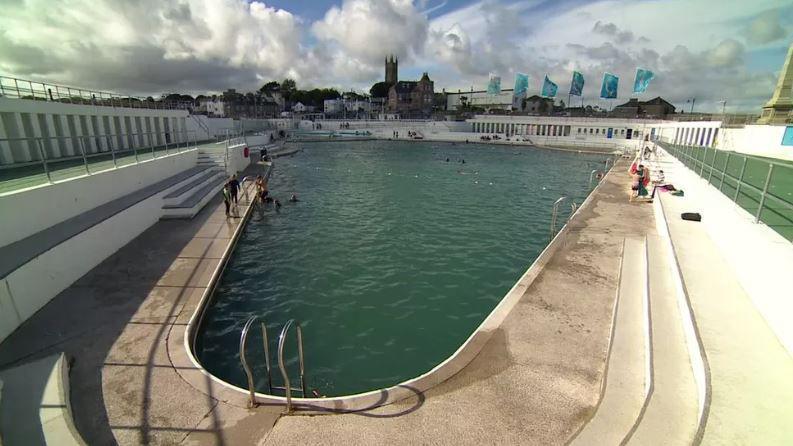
[270, 87]
[288, 87]
[380, 90]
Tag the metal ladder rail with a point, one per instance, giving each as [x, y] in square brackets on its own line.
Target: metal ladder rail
[287, 384]
[554, 215]
[244, 359]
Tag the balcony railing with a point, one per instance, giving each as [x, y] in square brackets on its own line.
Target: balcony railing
[11, 87]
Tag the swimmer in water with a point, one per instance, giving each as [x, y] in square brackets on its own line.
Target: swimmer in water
[293, 198]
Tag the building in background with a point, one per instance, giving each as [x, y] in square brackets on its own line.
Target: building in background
[654, 108]
[391, 70]
[480, 99]
[779, 109]
[237, 105]
[412, 98]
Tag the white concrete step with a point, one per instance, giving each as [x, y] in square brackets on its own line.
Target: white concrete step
[627, 379]
[193, 203]
[179, 194]
[672, 412]
[35, 409]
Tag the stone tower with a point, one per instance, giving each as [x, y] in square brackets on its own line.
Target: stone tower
[391, 67]
[779, 110]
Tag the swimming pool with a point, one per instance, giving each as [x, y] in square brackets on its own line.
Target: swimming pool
[391, 258]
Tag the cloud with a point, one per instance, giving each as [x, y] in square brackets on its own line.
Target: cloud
[611, 30]
[765, 28]
[367, 30]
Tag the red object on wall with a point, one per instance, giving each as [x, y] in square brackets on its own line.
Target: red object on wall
[245, 152]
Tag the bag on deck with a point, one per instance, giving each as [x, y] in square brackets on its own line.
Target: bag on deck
[691, 216]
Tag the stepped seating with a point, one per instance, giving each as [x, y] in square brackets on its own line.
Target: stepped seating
[16, 254]
[195, 199]
[34, 404]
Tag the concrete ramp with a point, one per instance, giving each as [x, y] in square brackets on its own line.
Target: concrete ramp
[34, 409]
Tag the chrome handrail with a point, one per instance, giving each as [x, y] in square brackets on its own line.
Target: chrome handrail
[591, 176]
[554, 215]
[287, 384]
[244, 361]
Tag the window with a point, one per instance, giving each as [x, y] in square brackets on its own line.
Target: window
[590, 131]
[579, 130]
[597, 131]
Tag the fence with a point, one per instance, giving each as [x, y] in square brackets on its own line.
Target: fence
[761, 186]
[87, 155]
[25, 89]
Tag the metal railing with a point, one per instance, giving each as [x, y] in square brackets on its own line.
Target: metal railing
[554, 216]
[12, 87]
[68, 156]
[244, 360]
[282, 366]
[751, 182]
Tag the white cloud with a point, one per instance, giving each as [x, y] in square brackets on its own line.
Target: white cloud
[368, 29]
[766, 28]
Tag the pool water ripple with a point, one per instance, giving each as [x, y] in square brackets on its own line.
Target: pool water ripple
[390, 260]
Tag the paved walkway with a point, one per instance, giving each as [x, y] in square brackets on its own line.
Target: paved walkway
[535, 382]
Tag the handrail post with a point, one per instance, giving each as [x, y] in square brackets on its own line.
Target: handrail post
[300, 360]
[724, 171]
[44, 160]
[284, 375]
[592, 175]
[267, 358]
[85, 158]
[244, 361]
[740, 180]
[765, 192]
[112, 152]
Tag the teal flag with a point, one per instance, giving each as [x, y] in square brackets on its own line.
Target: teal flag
[642, 81]
[609, 88]
[549, 88]
[577, 84]
[494, 86]
[521, 85]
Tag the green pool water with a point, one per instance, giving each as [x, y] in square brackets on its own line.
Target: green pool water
[390, 260]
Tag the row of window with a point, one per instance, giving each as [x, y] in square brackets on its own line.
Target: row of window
[552, 130]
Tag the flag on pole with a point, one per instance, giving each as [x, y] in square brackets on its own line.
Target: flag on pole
[609, 88]
[642, 81]
[521, 85]
[577, 84]
[549, 88]
[494, 85]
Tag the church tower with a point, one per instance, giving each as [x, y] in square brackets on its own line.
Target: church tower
[391, 68]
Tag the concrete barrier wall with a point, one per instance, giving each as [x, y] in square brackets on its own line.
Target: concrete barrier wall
[29, 288]
[28, 211]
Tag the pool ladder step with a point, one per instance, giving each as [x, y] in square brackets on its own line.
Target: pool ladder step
[287, 388]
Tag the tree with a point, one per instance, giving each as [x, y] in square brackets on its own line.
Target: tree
[288, 86]
[464, 101]
[380, 90]
[270, 87]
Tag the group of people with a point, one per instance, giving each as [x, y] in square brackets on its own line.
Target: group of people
[641, 177]
[231, 193]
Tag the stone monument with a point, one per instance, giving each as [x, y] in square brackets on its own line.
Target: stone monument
[779, 110]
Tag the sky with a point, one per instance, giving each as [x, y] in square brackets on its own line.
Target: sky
[711, 50]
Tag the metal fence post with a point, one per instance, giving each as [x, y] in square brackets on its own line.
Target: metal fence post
[724, 171]
[44, 160]
[85, 158]
[112, 152]
[765, 192]
[740, 180]
[153, 155]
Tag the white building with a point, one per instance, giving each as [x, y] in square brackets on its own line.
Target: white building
[483, 99]
[299, 108]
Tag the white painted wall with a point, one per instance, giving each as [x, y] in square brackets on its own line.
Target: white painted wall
[22, 118]
[29, 288]
[28, 211]
[760, 140]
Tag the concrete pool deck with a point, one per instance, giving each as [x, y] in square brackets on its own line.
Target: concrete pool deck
[537, 379]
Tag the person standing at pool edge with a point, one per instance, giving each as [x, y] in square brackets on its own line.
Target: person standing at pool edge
[227, 198]
[234, 187]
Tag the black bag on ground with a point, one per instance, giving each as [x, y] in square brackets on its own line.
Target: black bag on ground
[692, 216]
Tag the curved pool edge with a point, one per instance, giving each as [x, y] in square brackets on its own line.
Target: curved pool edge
[191, 370]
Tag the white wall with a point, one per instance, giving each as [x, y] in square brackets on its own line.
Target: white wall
[30, 287]
[760, 140]
[28, 211]
[22, 118]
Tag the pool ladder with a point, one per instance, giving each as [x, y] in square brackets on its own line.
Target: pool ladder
[555, 214]
[287, 388]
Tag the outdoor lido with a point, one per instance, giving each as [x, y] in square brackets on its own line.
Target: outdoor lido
[502, 278]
